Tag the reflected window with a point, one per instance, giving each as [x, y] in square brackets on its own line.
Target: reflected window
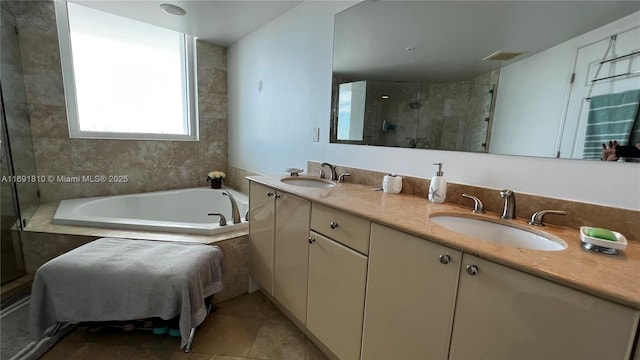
[351, 104]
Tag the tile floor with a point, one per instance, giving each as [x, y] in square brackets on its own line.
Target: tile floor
[245, 327]
[15, 287]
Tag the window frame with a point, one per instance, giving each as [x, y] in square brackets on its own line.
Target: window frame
[189, 86]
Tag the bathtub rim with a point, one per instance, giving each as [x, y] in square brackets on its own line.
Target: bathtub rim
[68, 217]
[41, 222]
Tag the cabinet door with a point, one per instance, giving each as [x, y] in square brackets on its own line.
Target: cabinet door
[335, 303]
[292, 254]
[261, 234]
[502, 313]
[411, 289]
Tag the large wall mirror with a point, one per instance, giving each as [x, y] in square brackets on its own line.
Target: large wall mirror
[500, 77]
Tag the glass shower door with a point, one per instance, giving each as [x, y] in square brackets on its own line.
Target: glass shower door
[11, 263]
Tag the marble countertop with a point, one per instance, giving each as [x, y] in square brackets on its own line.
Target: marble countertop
[615, 278]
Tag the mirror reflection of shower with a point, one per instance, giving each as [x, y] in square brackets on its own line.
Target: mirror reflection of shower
[449, 116]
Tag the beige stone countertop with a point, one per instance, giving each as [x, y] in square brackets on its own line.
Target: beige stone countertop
[616, 278]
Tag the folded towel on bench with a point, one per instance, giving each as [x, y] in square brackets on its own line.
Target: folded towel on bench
[121, 279]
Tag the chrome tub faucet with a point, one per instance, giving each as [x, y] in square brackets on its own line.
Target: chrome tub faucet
[235, 213]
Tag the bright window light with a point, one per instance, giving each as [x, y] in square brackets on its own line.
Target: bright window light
[124, 78]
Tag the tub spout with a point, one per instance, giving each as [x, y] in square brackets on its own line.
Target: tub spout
[234, 208]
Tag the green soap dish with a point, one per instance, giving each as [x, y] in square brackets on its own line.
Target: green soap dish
[619, 244]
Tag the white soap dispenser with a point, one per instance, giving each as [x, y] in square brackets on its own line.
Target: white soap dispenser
[438, 187]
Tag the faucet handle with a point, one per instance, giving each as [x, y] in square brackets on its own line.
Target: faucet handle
[478, 206]
[223, 220]
[536, 217]
[322, 175]
[341, 177]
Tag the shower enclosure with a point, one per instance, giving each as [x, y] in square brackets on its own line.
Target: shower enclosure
[19, 199]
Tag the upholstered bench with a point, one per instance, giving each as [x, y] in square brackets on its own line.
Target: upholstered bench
[122, 279]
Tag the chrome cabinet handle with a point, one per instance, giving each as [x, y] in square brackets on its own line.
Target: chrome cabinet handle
[270, 194]
[472, 270]
[311, 240]
[333, 225]
[445, 259]
[277, 196]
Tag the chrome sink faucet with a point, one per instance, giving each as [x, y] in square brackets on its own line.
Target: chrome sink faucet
[235, 213]
[334, 174]
[509, 211]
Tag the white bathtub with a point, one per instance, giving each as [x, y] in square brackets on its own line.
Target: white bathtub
[181, 211]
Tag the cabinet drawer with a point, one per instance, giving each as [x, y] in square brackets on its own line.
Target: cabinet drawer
[344, 228]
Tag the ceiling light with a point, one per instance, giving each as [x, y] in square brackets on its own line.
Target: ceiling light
[173, 9]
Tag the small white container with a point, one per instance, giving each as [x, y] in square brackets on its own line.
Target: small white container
[621, 244]
[392, 184]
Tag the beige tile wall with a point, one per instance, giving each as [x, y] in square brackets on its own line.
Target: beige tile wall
[149, 165]
[578, 213]
[236, 179]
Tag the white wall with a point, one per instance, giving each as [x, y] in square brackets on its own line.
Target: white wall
[271, 129]
[520, 124]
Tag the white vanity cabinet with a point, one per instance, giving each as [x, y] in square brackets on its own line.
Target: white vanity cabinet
[369, 292]
[503, 313]
[337, 278]
[261, 234]
[469, 308]
[411, 289]
[292, 253]
[278, 233]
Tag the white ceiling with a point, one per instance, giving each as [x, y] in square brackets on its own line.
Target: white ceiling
[451, 37]
[213, 21]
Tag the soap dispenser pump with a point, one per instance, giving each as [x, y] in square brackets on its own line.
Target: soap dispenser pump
[438, 187]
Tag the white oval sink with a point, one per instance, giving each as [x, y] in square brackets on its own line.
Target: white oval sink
[498, 233]
[308, 182]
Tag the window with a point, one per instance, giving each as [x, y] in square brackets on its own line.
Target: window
[125, 79]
